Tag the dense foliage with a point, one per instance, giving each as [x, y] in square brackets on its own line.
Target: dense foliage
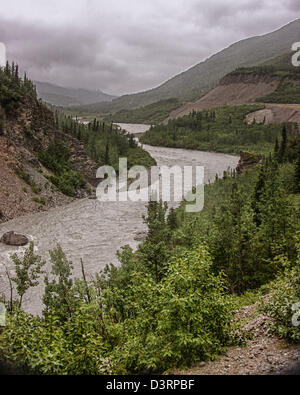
[221, 130]
[104, 142]
[124, 321]
[13, 89]
[56, 159]
[284, 307]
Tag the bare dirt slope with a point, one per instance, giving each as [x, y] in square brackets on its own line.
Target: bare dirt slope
[17, 198]
[244, 89]
[276, 113]
[232, 90]
[24, 187]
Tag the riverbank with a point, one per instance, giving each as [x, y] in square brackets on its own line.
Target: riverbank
[95, 231]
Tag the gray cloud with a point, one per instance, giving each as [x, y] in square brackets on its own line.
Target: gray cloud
[128, 46]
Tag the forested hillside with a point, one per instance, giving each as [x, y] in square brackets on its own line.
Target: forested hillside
[47, 158]
[222, 129]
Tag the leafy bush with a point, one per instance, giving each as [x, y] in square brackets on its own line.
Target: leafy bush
[46, 346]
[28, 179]
[184, 318]
[68, 182]
[285, 295]
[155, 325]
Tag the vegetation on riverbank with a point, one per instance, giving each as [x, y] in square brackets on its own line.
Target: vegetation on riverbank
[220, 130]
[104, 142]
[25, 119]
[172, 302]
[56, 159]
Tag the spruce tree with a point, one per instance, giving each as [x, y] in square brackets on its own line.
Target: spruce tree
[283, 146]
[172, 219]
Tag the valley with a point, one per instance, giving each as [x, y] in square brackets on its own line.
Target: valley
[123, 287]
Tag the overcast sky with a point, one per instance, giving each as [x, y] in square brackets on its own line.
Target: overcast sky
[124, 46]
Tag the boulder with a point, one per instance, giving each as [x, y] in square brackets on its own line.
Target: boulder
[12, 239]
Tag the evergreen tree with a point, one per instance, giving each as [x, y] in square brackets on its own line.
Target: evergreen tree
[172, 219]
[276, 149]
[283, 146]
[155, 250]
[258, 194]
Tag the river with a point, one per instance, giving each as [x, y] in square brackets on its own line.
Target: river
[94, 230]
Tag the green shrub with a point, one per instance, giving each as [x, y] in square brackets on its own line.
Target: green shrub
[27, 178]
[183, 319]
[286, 294]
[56, 159]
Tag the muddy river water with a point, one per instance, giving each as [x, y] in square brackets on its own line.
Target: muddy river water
[94, 230]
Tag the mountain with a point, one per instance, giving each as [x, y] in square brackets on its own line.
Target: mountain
[192, 83]
[275, 83]
[150, 114]
[249, 87]
[61, 96]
